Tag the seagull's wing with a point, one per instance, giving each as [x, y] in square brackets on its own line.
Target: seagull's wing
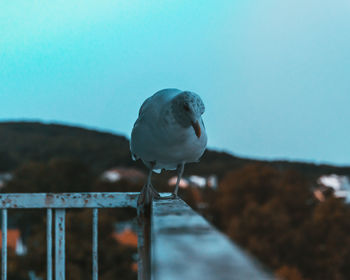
[158, 100]
[142, 111]
[141, 135]
[144, 105]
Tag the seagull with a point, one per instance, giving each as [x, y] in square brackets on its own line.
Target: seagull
[168, 133]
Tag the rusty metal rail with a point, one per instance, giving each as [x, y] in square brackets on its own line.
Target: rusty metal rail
[174, 242]
[56, 204]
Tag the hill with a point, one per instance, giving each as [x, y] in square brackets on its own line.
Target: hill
[21, 142]
[267, 207]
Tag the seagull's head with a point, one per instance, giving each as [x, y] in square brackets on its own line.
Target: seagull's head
[187, 108]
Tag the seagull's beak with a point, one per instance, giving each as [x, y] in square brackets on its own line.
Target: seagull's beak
[197, 128]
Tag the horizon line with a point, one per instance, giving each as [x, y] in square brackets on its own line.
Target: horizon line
[216, 149]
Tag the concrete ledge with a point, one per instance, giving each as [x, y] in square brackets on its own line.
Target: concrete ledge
[185, 246]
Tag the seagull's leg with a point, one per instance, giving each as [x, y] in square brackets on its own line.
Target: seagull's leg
[153, 191]
[148, 192]
[180, 171]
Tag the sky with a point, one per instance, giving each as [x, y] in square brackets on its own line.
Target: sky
[274, 75]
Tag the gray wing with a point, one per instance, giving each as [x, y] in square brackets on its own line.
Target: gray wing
[142, 111]
[161, 97]
[144, 105]
[148, 112]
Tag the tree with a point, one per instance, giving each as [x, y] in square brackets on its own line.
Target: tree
[7, 162]
[273, 214]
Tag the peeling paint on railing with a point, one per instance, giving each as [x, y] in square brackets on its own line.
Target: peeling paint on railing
[68, 200]
[57, 203]
[175, 243]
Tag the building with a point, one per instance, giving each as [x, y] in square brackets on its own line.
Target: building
[14, 241]
[339, 185]
[126, 237]
[125, 234]
[4, 177]
[195, 181]
[130, 174]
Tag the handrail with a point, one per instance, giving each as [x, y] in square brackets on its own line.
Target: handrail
[185, 246]
[57, 203]
[174, 242]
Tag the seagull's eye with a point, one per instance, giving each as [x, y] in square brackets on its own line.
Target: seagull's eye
[186, 107]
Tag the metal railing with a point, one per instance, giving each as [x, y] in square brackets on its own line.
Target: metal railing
[56, 205]
[174, 242]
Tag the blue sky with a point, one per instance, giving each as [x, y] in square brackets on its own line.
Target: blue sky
[274, 75]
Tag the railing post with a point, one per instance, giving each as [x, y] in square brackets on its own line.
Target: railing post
[4, 244]
[95, 244]
[144, 212]
[60, 244]
[49, 243]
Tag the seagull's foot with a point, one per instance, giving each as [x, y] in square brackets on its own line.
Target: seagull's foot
[147, 194]
[143, 196]
[155, 194]
[172, 196]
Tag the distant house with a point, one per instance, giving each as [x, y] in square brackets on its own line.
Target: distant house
[183, 182]
[337, 185]
[127, 237]
[212, 182]
[4, 178]
[14, 241]
[116, 174]
[195, 181]
[125, 234]
[321, 193]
